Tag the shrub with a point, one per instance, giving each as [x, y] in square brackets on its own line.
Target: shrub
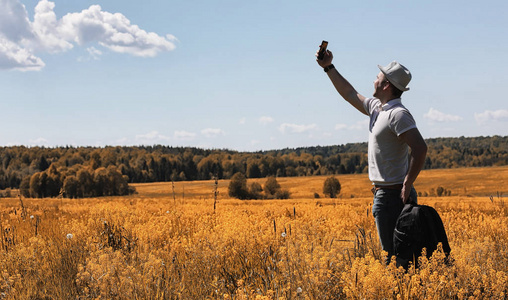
[238, 187]
[331, 187]
[271, 186]
[255, 190]
[272, 189]
[282, 194]
[439, 191]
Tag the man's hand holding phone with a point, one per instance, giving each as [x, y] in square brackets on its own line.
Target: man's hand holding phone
[324, 56]
[322, 50]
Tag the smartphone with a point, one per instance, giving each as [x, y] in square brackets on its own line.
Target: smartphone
[322, 49]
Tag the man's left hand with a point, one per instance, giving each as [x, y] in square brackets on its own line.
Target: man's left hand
[404, 194]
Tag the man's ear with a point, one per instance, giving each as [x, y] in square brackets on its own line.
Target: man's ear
[386, 85]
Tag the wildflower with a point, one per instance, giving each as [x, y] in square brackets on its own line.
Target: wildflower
[69, 236]
[299, 290]
[283, 234]
[31, 217]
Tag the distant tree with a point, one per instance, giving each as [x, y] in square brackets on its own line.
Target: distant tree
[253, 170]
[95, 159]
[45, 184]
[42, 164]
[208, 167]
[331, 187]
[191, 170]
[118, 183]
[101, 185]
[271, 187]
[273, 190]
[255, 190]
[282, 194]
[36, 185]
[238, 187]
[53, 181]
[85, 187]
[24, 187]
[439, 191]
[291, 171]
[70, 187]
[75, 159]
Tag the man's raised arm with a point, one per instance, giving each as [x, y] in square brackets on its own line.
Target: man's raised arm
[345, 89]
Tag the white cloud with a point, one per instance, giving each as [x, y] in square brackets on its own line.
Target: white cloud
[14, 22]
[113, 31]
[242, 121]
[15, 57]
[437, 116]
[171, 38]
[94, 53]
[39, 142]
[360, 125]
[121, 141]
[152, 137]
[21, 39]
[295, 128]
[489, 116]
[265, 120]
[48, 30]
[340, 126]
[184, 135]
[212, 132]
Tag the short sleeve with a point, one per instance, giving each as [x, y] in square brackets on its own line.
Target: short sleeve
[402, 121]
[370, 104]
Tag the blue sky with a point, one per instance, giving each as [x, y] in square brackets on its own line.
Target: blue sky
[242, 75]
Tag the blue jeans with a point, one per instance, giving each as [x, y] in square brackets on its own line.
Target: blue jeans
[386, 209]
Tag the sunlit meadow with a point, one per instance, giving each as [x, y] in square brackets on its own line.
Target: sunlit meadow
[179, 241]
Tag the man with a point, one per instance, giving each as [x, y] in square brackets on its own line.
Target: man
[392, 130]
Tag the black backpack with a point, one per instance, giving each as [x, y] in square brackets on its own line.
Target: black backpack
[418, 227]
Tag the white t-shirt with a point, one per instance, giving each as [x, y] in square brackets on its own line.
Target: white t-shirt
[388, 156]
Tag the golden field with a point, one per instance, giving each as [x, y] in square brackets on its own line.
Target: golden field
[168, 242]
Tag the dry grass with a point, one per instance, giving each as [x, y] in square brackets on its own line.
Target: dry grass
[149, 246]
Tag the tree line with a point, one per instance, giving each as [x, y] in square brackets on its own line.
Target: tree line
[94, 171]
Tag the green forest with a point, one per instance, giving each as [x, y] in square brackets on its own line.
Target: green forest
[91, 171]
